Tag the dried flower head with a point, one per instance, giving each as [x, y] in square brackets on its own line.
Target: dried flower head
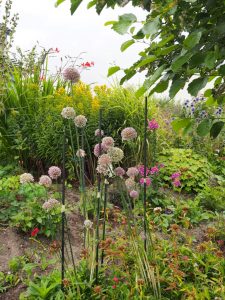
[108, 142]
[128, 134]
[80, 121]
[99, 132]
[80, 153]
[45, 180]
[116, 154]
[132, 172]
[50, 204]
[71, 74]
[54, 172]
[119, 171]
[68, 113]
[88, 224]
[26, 177]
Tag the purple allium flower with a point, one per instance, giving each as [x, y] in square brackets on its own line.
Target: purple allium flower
[152, 125]
[147, 180]
[80, 153]
[134, 194]
[176, 183]
[128, 134]
[175, 175]
[54, 172]
[80, 121]
[130, 184]
[108, 142]
[119, 171]
[99, 132]
[45, 180]
[154, 170]
[116, 154]
[132, 172]
[26, 177]
[68, 113]
[97, 149]
[71, 74]
[141, 170]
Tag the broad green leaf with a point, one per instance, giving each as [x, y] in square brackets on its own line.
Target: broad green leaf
[129, 74]
[126, 44]
[74, 5]
[176, 86]
[196, 85]
[160, 87]
[178, 62]
[165, 51]
[147, 60]
[113, 70]
[210, 60]
[180, 124]
[210, 101]
[91, 4]
[216, 129]
[192, 39]
[152, 26]
[124, 23]
[162, 43]
[222, 70]
[204, 127]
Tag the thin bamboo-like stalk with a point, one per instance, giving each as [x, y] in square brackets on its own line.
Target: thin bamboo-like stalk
[104, 215]
[63, 209]
[145, 172]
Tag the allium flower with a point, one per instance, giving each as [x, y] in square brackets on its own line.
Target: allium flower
[80, 121]
[68, 113]
[108, 142]
[34, 232]
[50, 204]
[80, 153]
[102, 169]
[134, 194]
[26, 177]
[97, 149]
[99, 132]
[147, 180]
[45, 180]
[132, 172]
[175, 175]
[116, 154]
[54, 172]
[130, 184]
[104, 160]
[71, 74]
[176, 183]
[128, 134]
[119, 171]
[157, 209]
[154, 170]
[141, 169]
[88, 224]
[152, 125]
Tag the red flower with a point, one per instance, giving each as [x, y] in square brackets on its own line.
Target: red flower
[87, 64]
[35, 231]
[116, 279]
[57, 50]
[92, 63]
[114, 286]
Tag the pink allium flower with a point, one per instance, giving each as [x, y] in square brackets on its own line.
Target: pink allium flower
[132, 172]
[71, 74]
[51, 203]
[102, 169]
[80, 121]
[148, 181]
[99, 132]
[141, 170]
[154, 170]
[45, 180]
[68, 113]
[108, 142]
[152, 125]
[104, 160]
[128, 134]
[80, 153]
[26, 177]
[119, 171]
[175, 175]
[97, 149]
[54, 172]
[176, 183]
[134, 194]
[130, 184]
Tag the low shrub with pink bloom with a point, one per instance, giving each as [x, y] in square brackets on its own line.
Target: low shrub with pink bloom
[45, 180]
[119, 171]
[153, 125]
[132, 172]
[54, 172]
[128, 134]
[175, 175]
[154, 170]
[147, 180]
[141, 169]
[176, 183]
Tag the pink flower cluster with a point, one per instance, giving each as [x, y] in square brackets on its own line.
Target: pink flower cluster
[141, 169]
[145, 180]
[54, 172]
[176, 179]
[153, 125]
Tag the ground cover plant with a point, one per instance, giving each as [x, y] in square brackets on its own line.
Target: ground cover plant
[106, 193]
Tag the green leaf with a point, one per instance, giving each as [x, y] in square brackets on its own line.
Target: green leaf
[74, 5]
[222, 70]
[152, 26]
[113, 70]
[176, 86]
[124, 23]
[192, 39]
[91, 4]
[216, 129]
[210, 101]
[126, 44]
[210, 60]
[160, 87]
[180, 123]
[147, 60]
[196, 85]
[204, 127]
[58, 2]
[39, 219]
[109, 23]
[165, 51]
[178, 62]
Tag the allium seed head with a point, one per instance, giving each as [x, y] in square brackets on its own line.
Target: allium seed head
[71, 74]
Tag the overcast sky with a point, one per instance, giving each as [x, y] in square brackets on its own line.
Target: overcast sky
[85, 32]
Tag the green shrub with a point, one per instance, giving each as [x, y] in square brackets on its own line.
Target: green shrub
[195, 170]
[212, 198]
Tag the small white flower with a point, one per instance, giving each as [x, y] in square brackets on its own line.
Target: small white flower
[80, 153]
[68, 113]
[26, 177]
[88, 224]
